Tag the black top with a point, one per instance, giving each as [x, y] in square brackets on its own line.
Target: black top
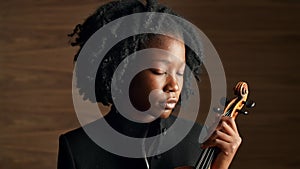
[78, 151]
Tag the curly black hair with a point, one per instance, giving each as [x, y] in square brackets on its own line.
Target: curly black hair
[106, 14]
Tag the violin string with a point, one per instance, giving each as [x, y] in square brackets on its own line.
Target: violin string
[208, 154]
[206, 158]
[202, 156]
[209, 158]
[204, 161]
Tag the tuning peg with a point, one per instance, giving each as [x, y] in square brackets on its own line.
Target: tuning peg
[249, 103]
[217, 110]
[243, 112]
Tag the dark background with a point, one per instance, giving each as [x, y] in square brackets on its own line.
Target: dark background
[258, 41]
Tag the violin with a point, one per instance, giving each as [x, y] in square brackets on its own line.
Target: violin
[232, 109]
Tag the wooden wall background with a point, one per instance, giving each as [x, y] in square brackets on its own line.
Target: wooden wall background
[257, 40]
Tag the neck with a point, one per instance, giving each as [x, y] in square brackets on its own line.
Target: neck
[130, 128]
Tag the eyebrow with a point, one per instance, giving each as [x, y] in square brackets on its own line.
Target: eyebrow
[166, 61]
[163, 60]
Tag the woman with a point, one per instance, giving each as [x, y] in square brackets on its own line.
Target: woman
[158, 89]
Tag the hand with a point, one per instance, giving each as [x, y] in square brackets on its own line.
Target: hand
[226, 137]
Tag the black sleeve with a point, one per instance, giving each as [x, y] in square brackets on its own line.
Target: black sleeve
[65, 157]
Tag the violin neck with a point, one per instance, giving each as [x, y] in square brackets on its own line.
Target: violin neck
[206, 158]
[208, 154]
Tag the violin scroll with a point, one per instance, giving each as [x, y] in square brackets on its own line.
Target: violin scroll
[234, 107]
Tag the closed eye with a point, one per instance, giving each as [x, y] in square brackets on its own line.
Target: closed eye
[158, 71]
[180, 74]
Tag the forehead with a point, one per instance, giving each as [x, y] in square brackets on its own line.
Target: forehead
[175, 47]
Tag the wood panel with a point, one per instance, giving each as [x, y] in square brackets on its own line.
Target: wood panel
[258, 41]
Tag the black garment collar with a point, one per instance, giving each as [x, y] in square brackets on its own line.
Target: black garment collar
[134, 129]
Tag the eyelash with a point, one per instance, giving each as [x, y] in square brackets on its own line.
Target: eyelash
[161, 72]
[158, 72]
[180, 74]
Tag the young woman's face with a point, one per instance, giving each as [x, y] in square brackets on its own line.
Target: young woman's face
[164, 80]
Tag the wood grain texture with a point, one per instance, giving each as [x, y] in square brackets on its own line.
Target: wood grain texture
[258, 41]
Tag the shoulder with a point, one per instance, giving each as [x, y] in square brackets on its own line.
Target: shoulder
[77, 140]
[74, 134]
[78, 150]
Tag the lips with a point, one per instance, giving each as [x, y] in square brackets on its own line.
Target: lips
[169, 103]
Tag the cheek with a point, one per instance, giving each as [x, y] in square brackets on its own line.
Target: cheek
[180, 83]
[149, 82]
[140, 89]
[181, 86]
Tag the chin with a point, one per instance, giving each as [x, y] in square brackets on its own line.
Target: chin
[166, 114]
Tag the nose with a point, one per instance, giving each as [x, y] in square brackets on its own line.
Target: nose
[171, 84]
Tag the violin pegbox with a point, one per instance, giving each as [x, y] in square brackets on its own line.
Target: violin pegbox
[234, 107]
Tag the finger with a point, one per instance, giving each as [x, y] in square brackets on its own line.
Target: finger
[209, 141]
[225, 147]
[225, 131]
[217, 143]
[217, 135]
[226, 128]
[231, 122]
[223, 119]
[223, 136]
[229, 136]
